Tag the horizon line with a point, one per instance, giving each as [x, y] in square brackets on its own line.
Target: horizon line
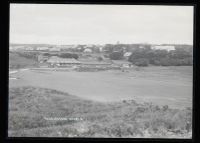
[145, 43]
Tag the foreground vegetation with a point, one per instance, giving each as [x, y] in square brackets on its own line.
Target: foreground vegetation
[30, 106]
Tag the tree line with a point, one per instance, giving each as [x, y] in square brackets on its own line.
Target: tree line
[148, 56]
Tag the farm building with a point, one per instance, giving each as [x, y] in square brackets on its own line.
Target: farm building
[56, 61]
[161, 47]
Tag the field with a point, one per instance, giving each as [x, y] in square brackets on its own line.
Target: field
[161, 85]
[148, 102]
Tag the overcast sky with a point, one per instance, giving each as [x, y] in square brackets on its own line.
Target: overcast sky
[100, 24]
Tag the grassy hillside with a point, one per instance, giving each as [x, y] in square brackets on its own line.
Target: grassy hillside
[29, 107]
[16, 61]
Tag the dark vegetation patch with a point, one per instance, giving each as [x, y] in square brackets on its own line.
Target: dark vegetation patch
[29, 106]
[19, 60]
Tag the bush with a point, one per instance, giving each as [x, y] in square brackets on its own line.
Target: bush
[99, 119]
[116, 56]
[141, 62]
[69, 55]
[100, 59]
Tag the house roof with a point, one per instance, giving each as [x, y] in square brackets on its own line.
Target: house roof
[55, 59]
[94, 62]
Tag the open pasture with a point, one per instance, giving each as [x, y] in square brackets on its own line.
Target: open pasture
[161, 85]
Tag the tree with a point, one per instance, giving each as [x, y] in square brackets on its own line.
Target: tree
[116, 56]
[75, 56]
[68, 55]
[141, 62]
[46, 54]
[109, 48]
[100, 59]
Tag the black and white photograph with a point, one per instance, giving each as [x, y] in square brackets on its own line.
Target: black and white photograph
[100, 71]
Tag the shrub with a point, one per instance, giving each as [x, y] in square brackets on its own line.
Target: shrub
[99, 119]
[141, 62]
[69, 55]
[116, 56]
[100, 59]
[165, 108]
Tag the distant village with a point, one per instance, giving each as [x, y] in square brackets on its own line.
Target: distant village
[98, 56]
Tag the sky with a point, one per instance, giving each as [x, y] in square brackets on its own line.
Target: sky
[100, 24]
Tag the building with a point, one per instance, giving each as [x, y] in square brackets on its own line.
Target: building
[100, 48]
[87, 50]
[161, 47]
[57, 61]
[89, 46]
[54, 49]
[94, 63]
[65, 47]
[29, 48]
[127, 54]
[42, 48]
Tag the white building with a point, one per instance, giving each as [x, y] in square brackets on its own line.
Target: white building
[30, 48]
[88, 50]
[55, 49]
[160, 47]
[42, 48]
[54, 60]
[100, 48]
[127, 54]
